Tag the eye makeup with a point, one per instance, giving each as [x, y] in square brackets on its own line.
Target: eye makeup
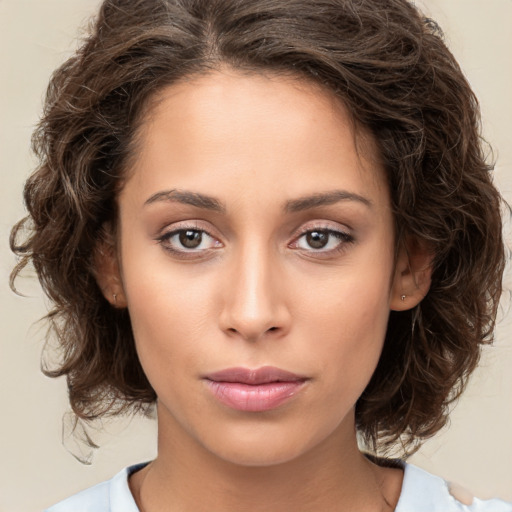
[193, 241]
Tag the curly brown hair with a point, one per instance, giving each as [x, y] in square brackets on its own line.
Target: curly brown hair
[389, 66]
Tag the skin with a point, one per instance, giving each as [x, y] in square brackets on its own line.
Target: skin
[256, 292]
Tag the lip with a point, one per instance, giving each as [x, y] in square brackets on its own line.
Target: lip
[257, 390]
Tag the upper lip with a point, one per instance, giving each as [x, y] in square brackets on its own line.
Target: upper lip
[262, 375]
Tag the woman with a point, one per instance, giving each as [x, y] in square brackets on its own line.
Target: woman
[275, 220]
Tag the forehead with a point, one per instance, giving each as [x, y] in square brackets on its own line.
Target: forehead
[277, 129]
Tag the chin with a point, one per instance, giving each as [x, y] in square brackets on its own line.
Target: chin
[264, 445]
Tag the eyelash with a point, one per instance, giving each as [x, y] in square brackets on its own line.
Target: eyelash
[165, 238]
[343, 237]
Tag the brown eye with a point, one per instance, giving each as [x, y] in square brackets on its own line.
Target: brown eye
[191, 239]
[322, 241]
[189, 242]
[317, 239]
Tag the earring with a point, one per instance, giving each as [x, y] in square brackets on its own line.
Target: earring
[115, 297]
[402, 297]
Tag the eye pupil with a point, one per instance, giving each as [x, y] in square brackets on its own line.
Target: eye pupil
[317, 239]
[190, 239]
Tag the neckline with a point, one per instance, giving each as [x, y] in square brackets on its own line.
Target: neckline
[127, 472]
[420, 491]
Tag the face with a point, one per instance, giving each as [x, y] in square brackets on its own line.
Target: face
[257, 263]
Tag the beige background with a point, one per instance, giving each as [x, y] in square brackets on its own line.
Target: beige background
[36, 470]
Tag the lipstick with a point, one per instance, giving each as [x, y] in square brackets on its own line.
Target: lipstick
[257, 390]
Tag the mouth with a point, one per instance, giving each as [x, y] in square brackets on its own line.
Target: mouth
[257, 390]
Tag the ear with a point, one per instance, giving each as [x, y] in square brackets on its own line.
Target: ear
[413, 275]
[107, 269]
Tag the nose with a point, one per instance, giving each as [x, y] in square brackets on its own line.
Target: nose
[254, 305]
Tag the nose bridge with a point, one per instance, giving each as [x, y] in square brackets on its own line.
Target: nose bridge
[253, 304]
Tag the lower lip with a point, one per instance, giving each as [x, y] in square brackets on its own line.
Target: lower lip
[254, 398]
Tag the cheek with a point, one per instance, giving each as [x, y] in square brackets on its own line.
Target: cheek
[349, 327]
[353, 301]
[170, 313]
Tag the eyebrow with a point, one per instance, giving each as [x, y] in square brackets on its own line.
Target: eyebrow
[294, 205]
[185, 197]
[324, 199]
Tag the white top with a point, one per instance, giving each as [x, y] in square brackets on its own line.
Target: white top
[421, 492]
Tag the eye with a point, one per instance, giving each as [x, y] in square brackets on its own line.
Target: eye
[322, 240]
[188, 240]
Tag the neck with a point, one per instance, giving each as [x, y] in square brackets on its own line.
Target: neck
[332, 476]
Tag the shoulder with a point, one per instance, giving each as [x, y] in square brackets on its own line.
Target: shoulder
[110, 496]
[423, 492]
